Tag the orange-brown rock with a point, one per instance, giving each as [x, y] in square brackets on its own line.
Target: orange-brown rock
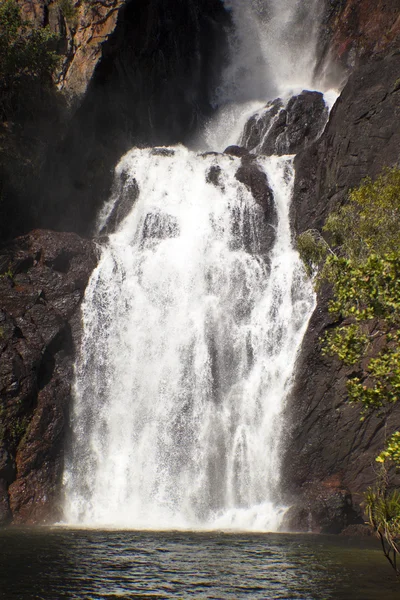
[83, 30]
[364, 28]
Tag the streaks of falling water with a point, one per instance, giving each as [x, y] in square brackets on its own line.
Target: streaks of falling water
[273, 49]
[189, 345]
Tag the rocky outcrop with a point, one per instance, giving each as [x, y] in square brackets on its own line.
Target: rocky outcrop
[256, 181]
[132, 72]
[360, 139]
[125, 193]
[330, 453]
[42, 282]
[83, 27]
[286, 128]
[354, 31]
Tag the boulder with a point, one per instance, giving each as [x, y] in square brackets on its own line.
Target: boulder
[286, 129]
[323, 507]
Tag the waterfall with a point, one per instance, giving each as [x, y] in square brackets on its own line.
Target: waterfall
[194, 316]
[190, 338]
[273, 47]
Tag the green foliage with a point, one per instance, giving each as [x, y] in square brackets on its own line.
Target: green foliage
[7, 274]
[313, 250]
[69, 11]
[362, 265]
[370, 222]
[18, 429]
[27, 55]
[382, 508]
[392, 450]
[348, 343]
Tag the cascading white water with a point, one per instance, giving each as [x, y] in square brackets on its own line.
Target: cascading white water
[273, 46]
[190, 339]
[192, 319]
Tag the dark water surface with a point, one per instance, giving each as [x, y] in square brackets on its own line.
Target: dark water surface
[63, 563]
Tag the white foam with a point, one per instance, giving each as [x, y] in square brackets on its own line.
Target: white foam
[188, 353]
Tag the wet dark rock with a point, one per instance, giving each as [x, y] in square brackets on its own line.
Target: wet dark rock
[324, 507]
[213, 176]
[326, 437]
[41, 288]
[258, 125]
[210, 153]
[357, 530]
[126, 192]
[238, 151]
[159, 226]
[163, 152]
[287, 129]
[256, 180]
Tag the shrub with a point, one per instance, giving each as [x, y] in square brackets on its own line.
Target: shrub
[27, 55]
[359, 256]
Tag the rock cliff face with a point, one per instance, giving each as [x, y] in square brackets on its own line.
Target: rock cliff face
[42, 281]
[355, 31]
[360, 139]
[153, 86]
[83, 28]
[131, 73]
[330, 453]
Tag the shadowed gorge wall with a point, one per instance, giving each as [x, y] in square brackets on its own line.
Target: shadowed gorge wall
[154, 85]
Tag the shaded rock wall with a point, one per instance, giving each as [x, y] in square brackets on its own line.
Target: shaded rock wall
[42, 282]
[83, 27]
[330, 454]
[131, 72]
[360, 139]
[153, 86]
[30, 134]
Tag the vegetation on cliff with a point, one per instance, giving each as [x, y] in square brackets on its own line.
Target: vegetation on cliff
[27, 56]
[358, 255]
